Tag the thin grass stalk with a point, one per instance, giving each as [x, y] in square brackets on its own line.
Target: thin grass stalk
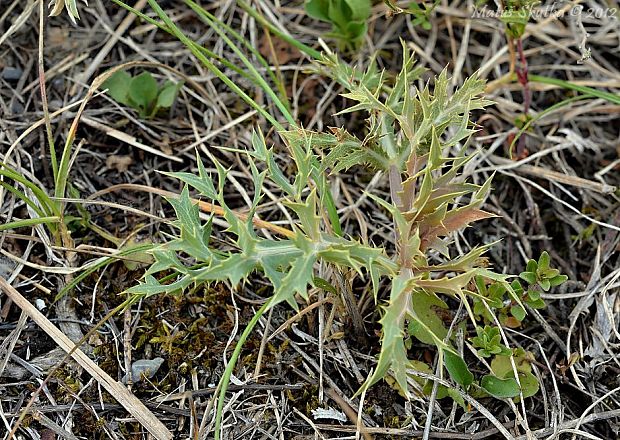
[47, 204]
[590, 91]
[46, 111]
[22, 196]
[257, 78]
[165, 28]
[225, 380]
[212, 18]
[209, 65]
[29, 222]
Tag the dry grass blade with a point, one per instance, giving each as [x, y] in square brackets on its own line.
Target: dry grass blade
[553, 176]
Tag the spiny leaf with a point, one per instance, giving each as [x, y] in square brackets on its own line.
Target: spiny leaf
[393, 353]
[202, 183]
[453, 221]
[307, 213]
[192, 231]
[266, 155]
[300, 275]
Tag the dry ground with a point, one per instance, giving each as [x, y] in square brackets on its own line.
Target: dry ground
[555, 196]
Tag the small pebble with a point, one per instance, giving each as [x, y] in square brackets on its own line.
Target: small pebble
[12, 73]
[144, 368]
[40, 304]
[17, 108]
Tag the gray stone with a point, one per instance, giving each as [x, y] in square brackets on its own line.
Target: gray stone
[12, 73]
[144, 368]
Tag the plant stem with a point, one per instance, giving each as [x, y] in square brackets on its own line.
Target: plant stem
[522, 76]
[312, 53]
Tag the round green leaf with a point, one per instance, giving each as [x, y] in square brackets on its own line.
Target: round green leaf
[143, 90]
[545, 285]
[318, 9]
[518, 312]
[118, 86]
[360, 9]
[529, 384]
[529, 277]
[500, 388]
[557, 280]
[425, 305]
[543, 261]
[167, 94]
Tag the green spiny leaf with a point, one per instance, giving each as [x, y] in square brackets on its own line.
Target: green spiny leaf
[393, 354]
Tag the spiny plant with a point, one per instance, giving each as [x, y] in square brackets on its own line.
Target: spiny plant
[410, 133]
[418, 137]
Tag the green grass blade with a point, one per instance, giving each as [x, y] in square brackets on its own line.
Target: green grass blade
[216, 23]
[257, 78]
[596, 93]
[20, 195]
[225, 380]
[165, 28]
[29, 222]
[209, 65]
[46, 202]
[312, 53]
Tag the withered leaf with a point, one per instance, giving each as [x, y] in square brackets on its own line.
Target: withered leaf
[453, 221]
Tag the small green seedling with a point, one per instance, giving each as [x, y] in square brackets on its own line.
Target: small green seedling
[488, 342]
[539, 272]
[142, 92]
[420, 12]
[348, 19]
[516, 16]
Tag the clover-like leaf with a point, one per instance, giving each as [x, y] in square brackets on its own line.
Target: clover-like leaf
[488, 340]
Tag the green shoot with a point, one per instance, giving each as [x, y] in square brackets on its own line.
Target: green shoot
[142, 92]
[347, 17]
